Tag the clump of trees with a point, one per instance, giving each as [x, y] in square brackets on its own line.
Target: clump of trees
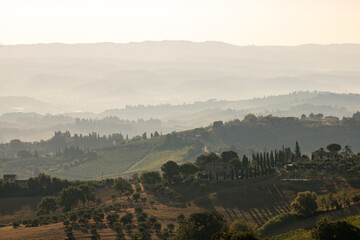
[123, 186]
[337, 230]
[68, 198]
[44, 185]
[212, 225]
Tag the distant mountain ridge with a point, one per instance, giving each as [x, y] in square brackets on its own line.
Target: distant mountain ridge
[98, 76]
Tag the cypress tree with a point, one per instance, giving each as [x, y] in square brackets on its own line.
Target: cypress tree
[297, 150]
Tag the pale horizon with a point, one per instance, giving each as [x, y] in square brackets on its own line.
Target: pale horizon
[182, 40]
[241, 23]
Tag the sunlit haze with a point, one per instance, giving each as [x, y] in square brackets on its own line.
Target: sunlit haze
[245, 22]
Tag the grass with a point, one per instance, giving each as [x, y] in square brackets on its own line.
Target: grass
[155, 160]
[109, 162]
[300, 234]
[131, 157]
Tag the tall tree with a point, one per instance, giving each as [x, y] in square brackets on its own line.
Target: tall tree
[334, 147]
[170, 171]
[297, 150]
[188, 169]
[70, 197]
[226, 156]
[206, 158]
[47, 205]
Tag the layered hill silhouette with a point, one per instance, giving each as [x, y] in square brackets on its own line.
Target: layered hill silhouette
[99, 76]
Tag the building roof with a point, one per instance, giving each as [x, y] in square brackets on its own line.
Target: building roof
[7, 176]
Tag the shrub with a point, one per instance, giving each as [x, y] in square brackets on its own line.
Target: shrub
[305, 203]
[157, 227]
[170, 227]
[142, 217]
[15, 224]
[152, 220]
[138, 210]
[129, 227]
[127, 218]
[112, 218]
[241, 226]
[180, 217]
[277, 221]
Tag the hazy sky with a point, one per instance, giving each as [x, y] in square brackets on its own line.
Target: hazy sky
[241, 22]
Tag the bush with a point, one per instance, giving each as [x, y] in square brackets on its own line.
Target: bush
[112, 218]
[127, 218]
[15, 224]
[305, 203]
[241, 226]
[277, 221]
[129, 227]
[138, 210]
[157, 227]
[142, 217]
[152, 220]
[180, 217]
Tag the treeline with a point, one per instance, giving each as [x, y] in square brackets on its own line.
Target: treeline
[61, 140]
[348, 167]
[43, 184]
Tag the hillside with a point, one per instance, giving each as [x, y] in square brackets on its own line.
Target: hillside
[98, 156]
[27, 121]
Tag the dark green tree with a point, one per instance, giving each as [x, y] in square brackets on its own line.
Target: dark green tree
[150, 178]
[188, 169]
[47, 205]
[88, 193]
[333, 147]
[112, 218]
[236, 164]
[339, 230]
[206, 158]
[226, 156]
[201, 226]
[70, 197]
[297, 150]
[171, 172]
[122, 186]
[136, 196]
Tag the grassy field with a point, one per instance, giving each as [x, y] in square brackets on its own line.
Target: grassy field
[155, 160]
[135, 156]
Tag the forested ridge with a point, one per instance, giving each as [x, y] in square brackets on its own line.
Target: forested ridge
[93, 155]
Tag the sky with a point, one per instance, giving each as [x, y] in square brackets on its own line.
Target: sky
[239, 22]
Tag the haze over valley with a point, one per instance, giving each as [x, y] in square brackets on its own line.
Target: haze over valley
[100, 76]
[180, 120]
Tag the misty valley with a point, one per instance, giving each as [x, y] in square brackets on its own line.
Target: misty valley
[179, 120]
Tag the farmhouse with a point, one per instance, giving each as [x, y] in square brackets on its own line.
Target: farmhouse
[10, 178]
[218, 171]
[322, 154]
